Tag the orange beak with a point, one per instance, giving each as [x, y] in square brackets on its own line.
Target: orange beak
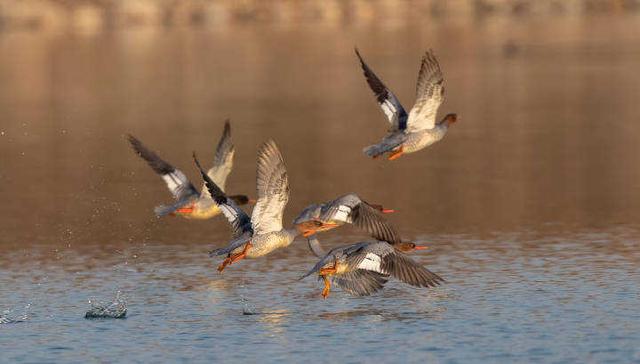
[388, 211]
[308, 233]
[421, 247]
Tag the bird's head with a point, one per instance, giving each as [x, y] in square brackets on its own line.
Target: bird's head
[407, 246]
[381, 208]
[449, 119]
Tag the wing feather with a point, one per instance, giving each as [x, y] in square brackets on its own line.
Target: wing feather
[239, 220]
[272, 187]
[177, 182]
[429, 94]
[361, 282]
[370, 220]
[388, 102]
[223, 160]
[407, 270]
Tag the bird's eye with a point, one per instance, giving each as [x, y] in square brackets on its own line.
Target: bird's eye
[317, 223]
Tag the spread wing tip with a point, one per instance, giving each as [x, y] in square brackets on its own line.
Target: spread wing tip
[218, 196]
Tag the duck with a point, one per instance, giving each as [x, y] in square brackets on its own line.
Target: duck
[409, 133]
[263, 232]
[363, 268]
[189, 202]
[346, 209]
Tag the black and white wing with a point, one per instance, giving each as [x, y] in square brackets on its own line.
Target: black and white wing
[352, 210]
[239, 220]
[385, 259]
[386, 99]
[370, 220]
[273, 189]
[408, 271]
[429, 94]
[179, 185]
[223, 160]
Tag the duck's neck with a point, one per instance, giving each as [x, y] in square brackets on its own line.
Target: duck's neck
[293, 232]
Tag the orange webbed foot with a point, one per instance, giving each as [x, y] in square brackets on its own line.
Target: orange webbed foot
[396, 154]
[224, 264]
[234, 258]
[327, 287]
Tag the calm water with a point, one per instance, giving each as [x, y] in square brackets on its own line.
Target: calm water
[530, 204]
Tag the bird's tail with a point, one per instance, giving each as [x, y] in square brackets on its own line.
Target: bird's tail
[164, 210]
[379, 149]
[389, 143]
[216, 252]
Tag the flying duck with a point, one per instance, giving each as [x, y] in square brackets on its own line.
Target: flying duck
[189, 202]
[419, 129]
[363, 268]
[263, 232]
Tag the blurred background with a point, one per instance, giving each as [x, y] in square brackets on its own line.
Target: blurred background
[545, 90]
[530, 204]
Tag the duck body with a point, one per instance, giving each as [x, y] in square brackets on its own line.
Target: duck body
[264, 244]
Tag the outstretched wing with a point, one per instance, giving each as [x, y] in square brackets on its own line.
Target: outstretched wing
[386, 99]
[429, 94]
[179, 185]
[273, 189]
[351, 209]
[239, 220]
[361, 282]
[223, 161]
[370, 220]
[408, 271]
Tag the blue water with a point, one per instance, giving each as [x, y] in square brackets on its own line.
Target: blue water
[510, 297]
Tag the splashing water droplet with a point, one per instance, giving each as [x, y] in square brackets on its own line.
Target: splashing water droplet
[115, 309]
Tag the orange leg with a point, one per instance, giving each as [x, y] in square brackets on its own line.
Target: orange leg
[327, 287]
[324, 272]
[234, 258]
[396, 154]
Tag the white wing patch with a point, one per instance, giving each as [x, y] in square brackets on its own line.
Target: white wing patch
[175, 181]
[342, 214]
[371, 262]
[389, 109]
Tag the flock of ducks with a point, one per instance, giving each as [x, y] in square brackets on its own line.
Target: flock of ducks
[360, 269]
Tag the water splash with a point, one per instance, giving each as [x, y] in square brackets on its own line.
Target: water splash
[116, 309]
[7, 317]
[247, 307]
